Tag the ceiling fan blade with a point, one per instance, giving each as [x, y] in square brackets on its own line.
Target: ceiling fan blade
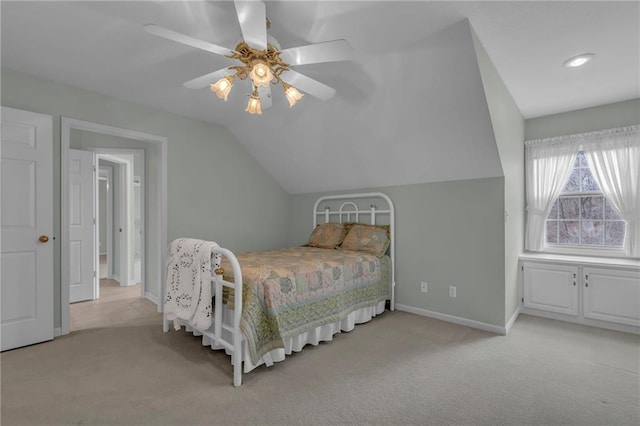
[185, 39]
[265, 97]
[330, 51]
[308, 85]
[252, 16]
[207, 79]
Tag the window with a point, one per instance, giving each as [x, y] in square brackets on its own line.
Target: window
[582, 215]
[582, 193]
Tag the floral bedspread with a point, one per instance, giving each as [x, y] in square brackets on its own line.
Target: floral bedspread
[291, 291]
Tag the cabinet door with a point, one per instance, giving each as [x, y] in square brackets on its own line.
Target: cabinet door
[551, 288]
[612, 295]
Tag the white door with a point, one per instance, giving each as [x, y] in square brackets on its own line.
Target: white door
[82, 226]
[26, 217]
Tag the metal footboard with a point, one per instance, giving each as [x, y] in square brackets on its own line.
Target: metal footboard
[214, 334]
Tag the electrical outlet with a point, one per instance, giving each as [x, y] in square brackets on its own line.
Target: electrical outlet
[423, 286]
[452, 291]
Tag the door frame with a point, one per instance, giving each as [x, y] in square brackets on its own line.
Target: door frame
[127, 199]
[124, 214]
[67, 124]
[104, 173]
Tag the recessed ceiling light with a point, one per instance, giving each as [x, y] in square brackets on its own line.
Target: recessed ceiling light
[578, 61]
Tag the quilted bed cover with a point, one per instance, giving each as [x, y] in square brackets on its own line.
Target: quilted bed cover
[291, 291]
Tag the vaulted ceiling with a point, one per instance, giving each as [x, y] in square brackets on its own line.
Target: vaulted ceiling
[409, 106]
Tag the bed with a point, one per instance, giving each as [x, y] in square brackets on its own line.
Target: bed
[293, 297]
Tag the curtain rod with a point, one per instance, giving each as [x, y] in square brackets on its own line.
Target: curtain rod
[588, 135]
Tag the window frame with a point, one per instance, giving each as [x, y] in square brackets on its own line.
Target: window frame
[583, 249]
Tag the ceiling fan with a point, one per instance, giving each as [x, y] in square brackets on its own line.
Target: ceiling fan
[262, 60]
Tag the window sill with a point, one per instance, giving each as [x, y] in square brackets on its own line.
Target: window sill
[633, 263]
[616, 253]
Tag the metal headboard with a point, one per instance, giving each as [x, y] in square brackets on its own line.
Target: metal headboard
[349, 208]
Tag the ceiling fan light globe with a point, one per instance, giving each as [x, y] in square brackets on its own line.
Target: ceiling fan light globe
[254, 107]
[222, 87]
[293, 95]
[261, 74]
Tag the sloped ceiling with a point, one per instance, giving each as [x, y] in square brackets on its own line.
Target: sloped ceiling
[409, 107]
[415, 121]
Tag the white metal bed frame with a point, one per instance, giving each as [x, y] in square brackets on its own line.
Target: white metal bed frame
[216, 336]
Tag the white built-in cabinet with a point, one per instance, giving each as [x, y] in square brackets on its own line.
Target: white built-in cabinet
[550, 287]
[598, 292]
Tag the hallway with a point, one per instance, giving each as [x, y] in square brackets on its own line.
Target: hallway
[116, 305]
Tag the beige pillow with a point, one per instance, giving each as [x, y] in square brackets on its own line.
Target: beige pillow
[349, 225]
[327, 235]
[368, 238]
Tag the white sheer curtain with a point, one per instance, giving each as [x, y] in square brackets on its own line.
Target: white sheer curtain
[614, 157]
[548, 166]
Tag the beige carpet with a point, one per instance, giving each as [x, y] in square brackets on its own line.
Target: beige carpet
[398, 369]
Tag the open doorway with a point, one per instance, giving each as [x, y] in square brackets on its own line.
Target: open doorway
[140, 272]
[107, 191]
[119, 235]
[124, 248]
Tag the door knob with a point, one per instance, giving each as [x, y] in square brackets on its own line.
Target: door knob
[43, 238]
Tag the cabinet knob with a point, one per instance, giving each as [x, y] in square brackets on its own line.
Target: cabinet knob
[43, 238]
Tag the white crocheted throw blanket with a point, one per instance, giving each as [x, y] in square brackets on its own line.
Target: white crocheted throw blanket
[188, 291]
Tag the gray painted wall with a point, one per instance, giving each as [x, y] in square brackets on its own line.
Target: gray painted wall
[216, 190]
[602, 117]
[508, 127]
[454, 233]
[441, 240]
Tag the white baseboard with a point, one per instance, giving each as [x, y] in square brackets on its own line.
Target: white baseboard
[130, 283]
[582, 321]
[151, 297]
[117, 278]
[513, 319]
[454, 319]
